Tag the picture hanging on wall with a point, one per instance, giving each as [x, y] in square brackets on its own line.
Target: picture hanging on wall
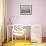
[25, 9]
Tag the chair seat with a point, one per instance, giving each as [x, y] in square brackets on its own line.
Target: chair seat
[18, 33]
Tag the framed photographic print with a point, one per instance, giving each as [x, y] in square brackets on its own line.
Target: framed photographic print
[25, 9]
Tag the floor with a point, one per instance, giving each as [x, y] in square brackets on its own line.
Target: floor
[23, 43]
[18, 43]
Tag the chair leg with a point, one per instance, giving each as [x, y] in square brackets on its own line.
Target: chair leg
[2, 44]
[15, 38]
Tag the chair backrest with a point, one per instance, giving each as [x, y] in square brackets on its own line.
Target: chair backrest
[18, 30]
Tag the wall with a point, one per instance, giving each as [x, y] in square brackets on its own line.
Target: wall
[38, 13]
[1, 20]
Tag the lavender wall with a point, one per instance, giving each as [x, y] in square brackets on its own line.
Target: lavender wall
[38, 13]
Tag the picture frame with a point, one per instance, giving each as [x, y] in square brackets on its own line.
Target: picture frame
[25, 9]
